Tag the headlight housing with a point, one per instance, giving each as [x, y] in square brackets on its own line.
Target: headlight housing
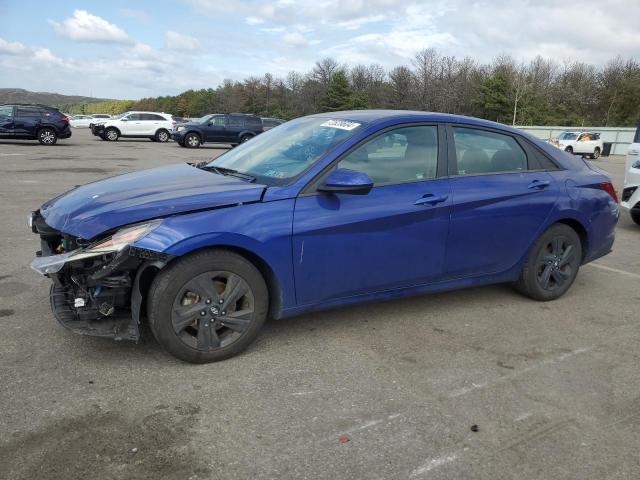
[180, 129]
[113, 244]
[123, 237]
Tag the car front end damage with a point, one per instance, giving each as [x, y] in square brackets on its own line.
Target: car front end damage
[98, 287]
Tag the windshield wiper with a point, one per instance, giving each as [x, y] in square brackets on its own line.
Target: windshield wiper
[226, 171]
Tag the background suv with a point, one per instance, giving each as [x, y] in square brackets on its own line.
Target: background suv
[233, 128]
[579, 143]
[153, 125]
[33, 122]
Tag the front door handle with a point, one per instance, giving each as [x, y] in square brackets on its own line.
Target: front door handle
[539, 184]
[430, 199]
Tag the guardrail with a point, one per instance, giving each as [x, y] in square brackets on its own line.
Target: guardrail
[619, 137]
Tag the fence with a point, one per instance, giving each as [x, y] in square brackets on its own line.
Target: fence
[619, 137]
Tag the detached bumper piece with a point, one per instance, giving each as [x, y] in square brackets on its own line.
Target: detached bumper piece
[84, 321]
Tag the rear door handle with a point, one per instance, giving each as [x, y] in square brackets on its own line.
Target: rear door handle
[430, 199]
[539, 184]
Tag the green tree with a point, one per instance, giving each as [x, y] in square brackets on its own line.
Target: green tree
[339, 95]
[493, 98]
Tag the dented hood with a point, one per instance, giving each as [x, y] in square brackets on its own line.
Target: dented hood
[95, 208]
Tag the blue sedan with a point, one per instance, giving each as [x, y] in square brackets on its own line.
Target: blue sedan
[320, 212]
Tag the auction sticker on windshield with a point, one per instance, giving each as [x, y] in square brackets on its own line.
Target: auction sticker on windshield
[341, 124]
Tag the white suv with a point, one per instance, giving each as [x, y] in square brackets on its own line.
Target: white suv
[153, 125]
[631, 192]
[579, 143]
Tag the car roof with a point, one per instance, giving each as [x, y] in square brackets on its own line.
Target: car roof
[373, 116]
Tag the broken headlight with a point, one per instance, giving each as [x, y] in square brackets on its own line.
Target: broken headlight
[113, 244]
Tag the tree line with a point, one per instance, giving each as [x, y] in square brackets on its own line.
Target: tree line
[541, 92]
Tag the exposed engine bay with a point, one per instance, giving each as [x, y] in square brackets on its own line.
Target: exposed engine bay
[98, 287]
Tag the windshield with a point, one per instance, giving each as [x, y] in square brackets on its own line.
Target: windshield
[121, 115]
[278, 155]
[205, 119]
[568, 136]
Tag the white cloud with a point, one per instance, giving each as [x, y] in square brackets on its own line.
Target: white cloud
[295, 39]
[254, 20]
[178, 41]
[85, 27]
[11, 48]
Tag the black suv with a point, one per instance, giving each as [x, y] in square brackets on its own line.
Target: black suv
[33, 122]
[233, 128]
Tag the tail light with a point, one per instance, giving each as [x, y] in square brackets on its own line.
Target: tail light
[608, 187]
[65, 118]
[174, 122]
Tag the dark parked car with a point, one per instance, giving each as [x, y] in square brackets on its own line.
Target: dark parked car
[268, 123]
[324, 211]
[233, 128]
[33, 122]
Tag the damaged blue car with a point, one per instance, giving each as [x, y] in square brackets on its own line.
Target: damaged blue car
[320, 212]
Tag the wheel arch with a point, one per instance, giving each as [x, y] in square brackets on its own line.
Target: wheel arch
[107, 127]
[148, 272]
[579, 228]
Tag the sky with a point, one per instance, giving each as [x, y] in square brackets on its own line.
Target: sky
[135, 49]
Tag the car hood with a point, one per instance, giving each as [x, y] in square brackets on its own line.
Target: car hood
[90, 210]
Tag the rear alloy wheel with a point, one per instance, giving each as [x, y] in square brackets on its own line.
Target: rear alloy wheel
[569, 150]
[596, 153]
[47, 136]
[552, 265]
[245, 138]
[192, 140]
[162, 136]
[208, 306]
[111, 134]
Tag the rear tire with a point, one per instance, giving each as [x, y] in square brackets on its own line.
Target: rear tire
[552, 264]
[111, 134]
[162, 136]
[635, 216]
[47, 136]
[245, 138]
[192, 140]
[207, 306]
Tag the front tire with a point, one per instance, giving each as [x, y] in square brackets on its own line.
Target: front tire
[596, 153]
[162, 136]
[552, 264]
[47, 136]
[192, 140]
[111, 134]
[207, 306]
[569, 150]
[635, 216]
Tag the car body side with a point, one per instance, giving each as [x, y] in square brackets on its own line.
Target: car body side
[262, 231]
[27, 127]
[631, 192]
[226, 134]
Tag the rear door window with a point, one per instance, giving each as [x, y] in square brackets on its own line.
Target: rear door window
[481, 152]
[28, 112]
[236, 121]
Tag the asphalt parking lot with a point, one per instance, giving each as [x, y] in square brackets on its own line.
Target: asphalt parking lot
[380, 391]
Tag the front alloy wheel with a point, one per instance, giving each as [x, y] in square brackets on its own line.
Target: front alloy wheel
[192, 140]
[111, 134]
[207, 306]
[596, 153]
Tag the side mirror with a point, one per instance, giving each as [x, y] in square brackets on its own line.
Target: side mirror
[348, 181]
[124, 119]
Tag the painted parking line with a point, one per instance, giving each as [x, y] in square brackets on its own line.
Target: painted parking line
[10, 154]
[615, 270]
